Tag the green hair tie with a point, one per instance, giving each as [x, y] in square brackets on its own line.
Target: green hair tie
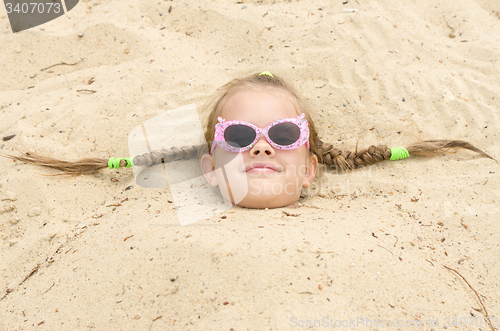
[399, 153]
[267, 73]
[114, 163]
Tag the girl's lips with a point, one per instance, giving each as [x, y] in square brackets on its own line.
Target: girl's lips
[262, 168]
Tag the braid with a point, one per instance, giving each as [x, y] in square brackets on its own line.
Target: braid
[168, 155]
[90, 166]
[86, 166]
[346, 160]
[433, 147]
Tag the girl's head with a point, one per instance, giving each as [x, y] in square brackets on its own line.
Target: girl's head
[264, 173]
[262, 176]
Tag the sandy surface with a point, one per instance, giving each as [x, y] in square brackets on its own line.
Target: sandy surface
[367, 246]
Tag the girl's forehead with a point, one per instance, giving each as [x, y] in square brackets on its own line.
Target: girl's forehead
[259, 107]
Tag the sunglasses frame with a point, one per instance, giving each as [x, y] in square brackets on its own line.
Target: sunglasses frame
[221, 127]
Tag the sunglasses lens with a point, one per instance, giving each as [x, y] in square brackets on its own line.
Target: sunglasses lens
[239, 135]
[284, 134]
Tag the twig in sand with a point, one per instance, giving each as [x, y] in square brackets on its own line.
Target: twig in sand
[87, 91]
[397, 239]
[114, 205]
[157, 318]
[35, 269]
[63, 64]
[385, 249]
[7, 291]
[117, 204]
[477, 295]
[125, 239]
[51, 286]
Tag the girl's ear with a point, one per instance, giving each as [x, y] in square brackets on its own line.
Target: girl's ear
[207, 167]
[312, 167]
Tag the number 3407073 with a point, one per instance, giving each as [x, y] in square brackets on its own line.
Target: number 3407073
[33, 8]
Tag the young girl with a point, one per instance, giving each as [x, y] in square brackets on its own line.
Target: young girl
[263, 146]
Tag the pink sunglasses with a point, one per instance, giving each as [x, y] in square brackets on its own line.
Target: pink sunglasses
[240, 136]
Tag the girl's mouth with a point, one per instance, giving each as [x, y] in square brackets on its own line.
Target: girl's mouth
[266, 168]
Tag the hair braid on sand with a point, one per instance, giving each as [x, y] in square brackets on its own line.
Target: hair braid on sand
[85, 166]
[90, 166]
[170, 154]
[347, 160]
[434, 147]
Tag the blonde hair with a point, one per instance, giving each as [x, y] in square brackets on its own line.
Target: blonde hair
[256, 81]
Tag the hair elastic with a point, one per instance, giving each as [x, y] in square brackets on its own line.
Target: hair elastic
[267, 73]
[114, 163]
[399, 153]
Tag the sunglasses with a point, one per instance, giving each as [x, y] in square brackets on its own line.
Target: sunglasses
[240, 136]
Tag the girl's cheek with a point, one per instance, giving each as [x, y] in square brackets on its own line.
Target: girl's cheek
[224, 159]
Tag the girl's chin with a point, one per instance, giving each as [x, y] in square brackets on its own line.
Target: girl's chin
[258, 205]
[260, 190]
[267, 200]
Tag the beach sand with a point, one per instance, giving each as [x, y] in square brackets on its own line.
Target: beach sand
[86, 253]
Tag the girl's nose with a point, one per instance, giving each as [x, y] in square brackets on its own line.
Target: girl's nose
[262, 148]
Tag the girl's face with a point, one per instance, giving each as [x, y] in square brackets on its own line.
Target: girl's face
[263, 176]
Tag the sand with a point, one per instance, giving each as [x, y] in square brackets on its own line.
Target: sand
[87, 253]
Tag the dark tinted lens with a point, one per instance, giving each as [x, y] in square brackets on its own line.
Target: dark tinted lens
[239, 135]
[284, 134]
